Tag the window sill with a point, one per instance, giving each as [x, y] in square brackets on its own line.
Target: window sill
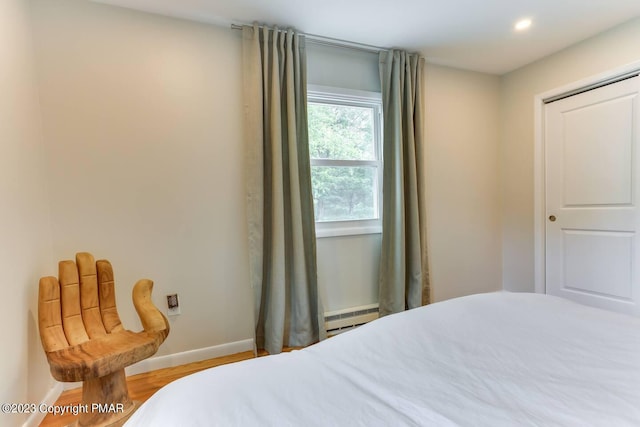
[347, 231]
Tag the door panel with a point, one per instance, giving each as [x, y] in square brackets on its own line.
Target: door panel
[591, 146]
[598, 262]
[598, 172]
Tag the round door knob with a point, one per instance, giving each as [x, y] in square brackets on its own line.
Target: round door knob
[552, 218]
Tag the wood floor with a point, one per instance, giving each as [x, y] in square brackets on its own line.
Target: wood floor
[142, 386]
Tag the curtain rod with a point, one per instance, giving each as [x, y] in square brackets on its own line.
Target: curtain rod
[330, 41]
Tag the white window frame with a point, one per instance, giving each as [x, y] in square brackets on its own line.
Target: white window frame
[357, 98]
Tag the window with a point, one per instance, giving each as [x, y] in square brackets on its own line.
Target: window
[346, 160]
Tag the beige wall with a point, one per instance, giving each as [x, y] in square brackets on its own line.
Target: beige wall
[142, 119]
[609, 50]
[25, 253]
[463, 199]
[348, 270]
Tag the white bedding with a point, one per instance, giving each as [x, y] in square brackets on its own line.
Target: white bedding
[500, 359]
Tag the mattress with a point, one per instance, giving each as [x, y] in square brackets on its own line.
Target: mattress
[497, 359]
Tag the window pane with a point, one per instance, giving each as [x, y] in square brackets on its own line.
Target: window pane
[343, 193]
[341, 132]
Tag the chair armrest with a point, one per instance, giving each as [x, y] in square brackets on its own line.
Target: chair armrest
[152, 319]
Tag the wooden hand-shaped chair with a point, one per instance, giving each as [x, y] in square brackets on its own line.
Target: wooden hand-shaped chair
[84, 340]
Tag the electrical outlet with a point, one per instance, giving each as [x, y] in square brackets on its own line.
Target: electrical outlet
[173, 305]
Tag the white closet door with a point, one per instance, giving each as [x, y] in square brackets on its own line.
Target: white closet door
[592, 191]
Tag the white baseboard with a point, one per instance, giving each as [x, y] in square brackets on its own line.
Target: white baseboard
[36, 418]
[176, 359]
[152, 364]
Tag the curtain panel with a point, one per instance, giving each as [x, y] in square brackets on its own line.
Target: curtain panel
[404, 279]
[282, 244]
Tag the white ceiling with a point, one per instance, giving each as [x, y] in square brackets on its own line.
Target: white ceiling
[470, 34]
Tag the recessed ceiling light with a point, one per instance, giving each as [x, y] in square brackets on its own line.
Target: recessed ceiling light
[523, 24]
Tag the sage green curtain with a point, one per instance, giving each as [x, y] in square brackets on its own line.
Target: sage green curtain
[279, 199]
[404, 279]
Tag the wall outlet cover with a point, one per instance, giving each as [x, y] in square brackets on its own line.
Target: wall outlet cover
[173, 305]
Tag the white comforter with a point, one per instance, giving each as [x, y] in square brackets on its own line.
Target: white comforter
[500, 359]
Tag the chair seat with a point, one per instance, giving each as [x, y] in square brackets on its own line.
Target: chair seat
[103, 355]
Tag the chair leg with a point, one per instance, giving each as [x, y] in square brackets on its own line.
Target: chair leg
[106, 400]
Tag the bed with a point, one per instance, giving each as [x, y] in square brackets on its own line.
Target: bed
[497, 359]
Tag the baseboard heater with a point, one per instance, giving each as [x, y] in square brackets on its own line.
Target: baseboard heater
[340, 321]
